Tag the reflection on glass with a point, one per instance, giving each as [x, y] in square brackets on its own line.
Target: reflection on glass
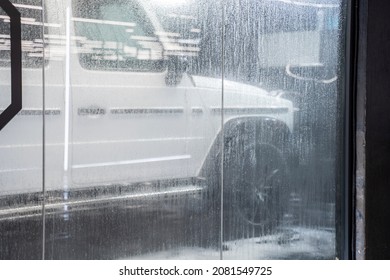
[32, 44]
[133, 179]
[187, 129]
[5, 46]
[21, 140]
[117, 35]
[280, 183]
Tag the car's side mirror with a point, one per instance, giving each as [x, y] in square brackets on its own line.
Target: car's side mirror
[176, 67]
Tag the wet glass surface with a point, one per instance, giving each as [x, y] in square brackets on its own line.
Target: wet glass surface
[5, 98]
[181, 130]
[21, 142]
[279, 179]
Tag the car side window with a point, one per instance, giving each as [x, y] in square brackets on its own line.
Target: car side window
[116, 35]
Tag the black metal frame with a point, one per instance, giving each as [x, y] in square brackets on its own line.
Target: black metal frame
[345, 202]
[377, 148]
[16, 64]
[348, 251]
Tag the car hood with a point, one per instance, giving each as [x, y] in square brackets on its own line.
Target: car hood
[236, 93]
[213, 83]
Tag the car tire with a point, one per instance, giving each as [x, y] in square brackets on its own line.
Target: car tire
[245, 145]
[255, 185]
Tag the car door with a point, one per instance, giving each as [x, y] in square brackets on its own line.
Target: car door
[126, 124]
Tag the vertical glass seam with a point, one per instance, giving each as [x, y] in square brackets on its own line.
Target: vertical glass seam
[222, 125]
[43, 135]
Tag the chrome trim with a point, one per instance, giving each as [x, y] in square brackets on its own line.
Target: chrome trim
[128, 162]
[250, 110]
[130, 111]
[38, 112]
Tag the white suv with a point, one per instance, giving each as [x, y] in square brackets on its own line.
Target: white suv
[125, 119]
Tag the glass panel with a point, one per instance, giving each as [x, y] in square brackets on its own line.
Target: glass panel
[281, 150]
[21, 140]
[175, 129]
[32, 41]
[135, 177]
[5, 50]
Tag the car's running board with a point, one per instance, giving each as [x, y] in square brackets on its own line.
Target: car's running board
[103, 201]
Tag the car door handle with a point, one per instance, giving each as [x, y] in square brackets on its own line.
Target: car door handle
[91, 111]
[16, 63]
